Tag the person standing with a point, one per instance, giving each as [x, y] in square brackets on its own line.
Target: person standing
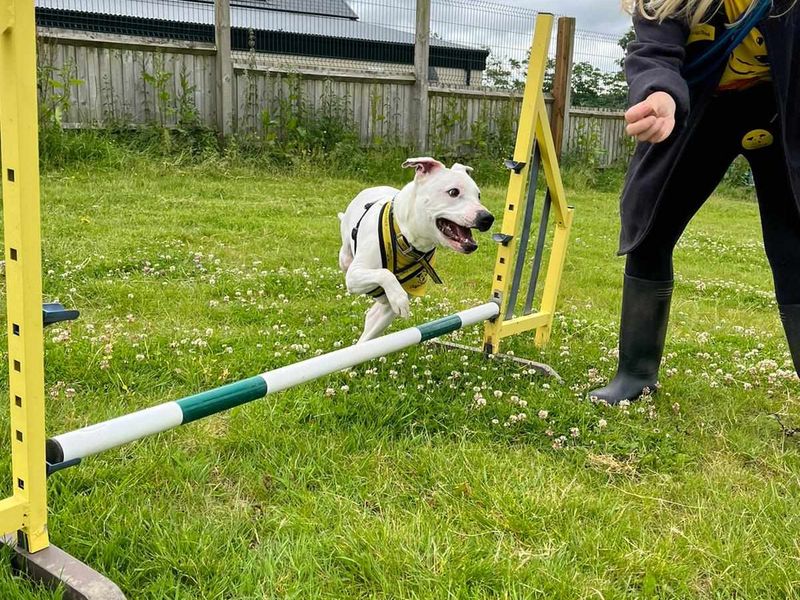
[709, 80]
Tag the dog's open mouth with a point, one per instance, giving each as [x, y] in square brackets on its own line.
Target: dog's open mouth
[460, 237]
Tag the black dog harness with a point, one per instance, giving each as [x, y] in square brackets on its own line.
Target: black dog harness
[413, 268]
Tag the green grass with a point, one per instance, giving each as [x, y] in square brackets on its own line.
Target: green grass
[392, 481]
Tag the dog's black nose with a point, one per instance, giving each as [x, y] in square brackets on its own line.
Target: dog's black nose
[484, 221]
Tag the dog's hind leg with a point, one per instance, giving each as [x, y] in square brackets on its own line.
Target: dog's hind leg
[379, 317]
[345, 257]
[345, 252]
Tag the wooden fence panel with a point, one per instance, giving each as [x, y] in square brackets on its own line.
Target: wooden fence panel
[121, 80]
[598, 136]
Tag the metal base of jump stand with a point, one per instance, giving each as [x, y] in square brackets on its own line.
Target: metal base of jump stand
[540, 368]
[54, 568]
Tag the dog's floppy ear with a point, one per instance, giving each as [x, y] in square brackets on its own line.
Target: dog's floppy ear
[423, 165]
[463, 168]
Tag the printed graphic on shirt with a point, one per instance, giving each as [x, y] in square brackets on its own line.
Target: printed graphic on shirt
[757, 139]
[749, 63]
[703, 33]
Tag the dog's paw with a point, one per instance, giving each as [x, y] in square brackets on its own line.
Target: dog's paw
[400, 304]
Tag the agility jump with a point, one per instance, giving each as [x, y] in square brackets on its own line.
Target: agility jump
[68, 448]
[23, 516]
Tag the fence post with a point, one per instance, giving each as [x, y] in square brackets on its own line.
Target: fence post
[224, 67]
[562, 82]
[420, 99]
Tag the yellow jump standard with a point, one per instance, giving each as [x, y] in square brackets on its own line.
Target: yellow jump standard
[23, 516]
[534, 143]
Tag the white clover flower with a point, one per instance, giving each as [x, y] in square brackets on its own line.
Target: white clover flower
[330, 392]
[543, 414]
[345, 388]
[574, 432]
[602, 424]
[495, 421]
[498, 394]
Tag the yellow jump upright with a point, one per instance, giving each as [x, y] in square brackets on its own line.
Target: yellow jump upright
[23, 515]
[25, 512]
[534, 144]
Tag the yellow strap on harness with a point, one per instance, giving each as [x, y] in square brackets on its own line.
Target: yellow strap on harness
[413, 269]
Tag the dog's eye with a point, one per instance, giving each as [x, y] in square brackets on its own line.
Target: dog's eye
[454, 193]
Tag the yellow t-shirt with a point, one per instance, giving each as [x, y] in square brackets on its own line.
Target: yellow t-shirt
[749, 63]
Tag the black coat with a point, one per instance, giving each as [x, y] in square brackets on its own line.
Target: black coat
[654, 63]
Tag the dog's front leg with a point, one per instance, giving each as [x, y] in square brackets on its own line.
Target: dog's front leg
[362, 281]
[379, 316]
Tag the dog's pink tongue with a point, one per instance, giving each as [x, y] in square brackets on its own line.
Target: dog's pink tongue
[462, 234]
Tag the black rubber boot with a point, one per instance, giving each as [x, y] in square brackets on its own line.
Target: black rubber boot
[790, 315]
[642, 333]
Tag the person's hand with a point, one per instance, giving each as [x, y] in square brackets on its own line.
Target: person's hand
[652, 120]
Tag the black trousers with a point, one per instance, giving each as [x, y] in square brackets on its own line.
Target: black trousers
[735, 123]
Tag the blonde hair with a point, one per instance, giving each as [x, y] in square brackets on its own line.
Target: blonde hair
[694, 12]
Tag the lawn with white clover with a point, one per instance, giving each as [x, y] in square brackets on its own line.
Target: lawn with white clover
[429, 474]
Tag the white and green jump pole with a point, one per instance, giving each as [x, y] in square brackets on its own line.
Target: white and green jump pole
[69, 448]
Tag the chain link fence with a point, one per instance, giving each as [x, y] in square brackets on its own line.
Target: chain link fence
[474, 43]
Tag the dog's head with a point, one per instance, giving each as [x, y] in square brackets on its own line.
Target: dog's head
[447, 204]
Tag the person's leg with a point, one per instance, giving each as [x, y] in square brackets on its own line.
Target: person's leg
[647, 287]
[780, 223]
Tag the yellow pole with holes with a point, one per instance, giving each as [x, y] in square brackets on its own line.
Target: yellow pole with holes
[26, 510]
[515, 198]
[534, 128]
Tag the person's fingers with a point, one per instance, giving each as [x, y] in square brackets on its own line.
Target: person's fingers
[666, 130]
[637, 128]
[663, 104]
[639, 111]
[663, 132]
[651, 131]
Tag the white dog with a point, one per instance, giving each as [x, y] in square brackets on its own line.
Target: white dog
[390, 236]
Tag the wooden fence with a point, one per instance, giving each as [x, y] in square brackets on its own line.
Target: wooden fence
[99, 80]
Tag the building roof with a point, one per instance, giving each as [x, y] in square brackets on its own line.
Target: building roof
[325, 28]
[325, 8]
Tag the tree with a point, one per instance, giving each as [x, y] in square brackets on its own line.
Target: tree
[623, 42]
[591, 87]
[506, 74]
